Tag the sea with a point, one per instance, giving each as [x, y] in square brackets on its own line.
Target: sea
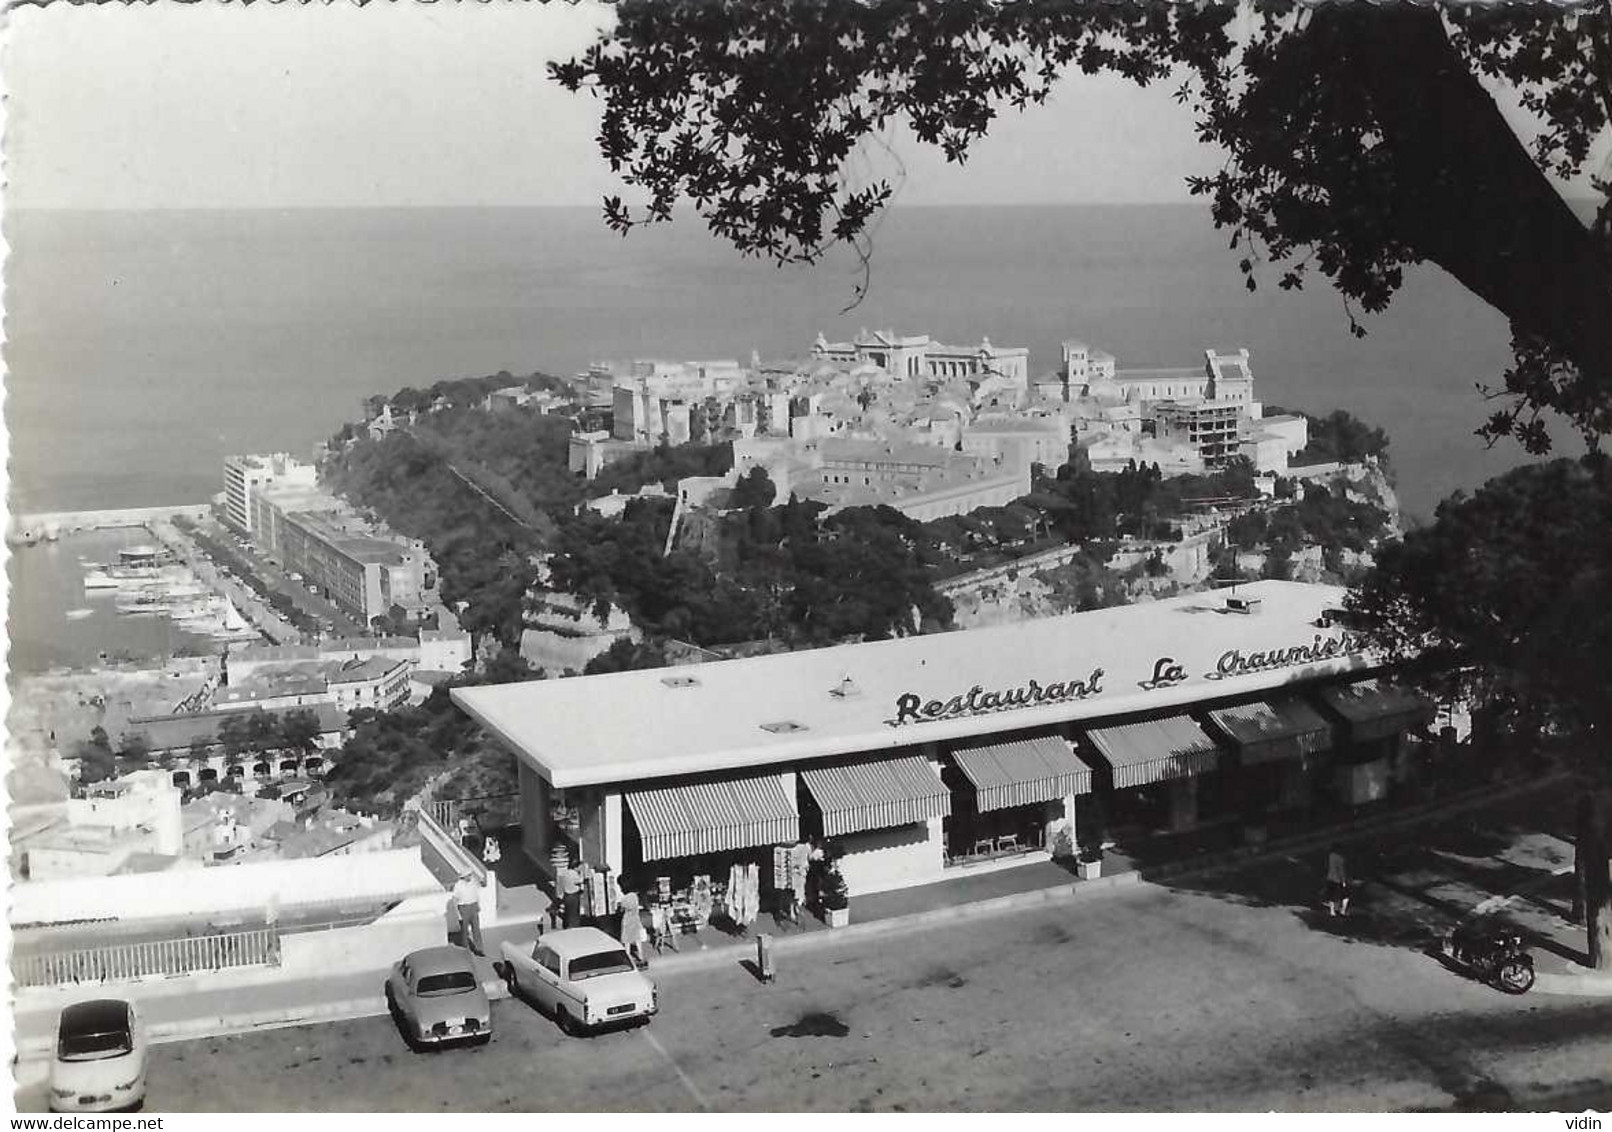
[143, 347]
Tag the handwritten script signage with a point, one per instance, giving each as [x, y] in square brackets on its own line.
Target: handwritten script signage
[1165, 673]
[1235, 662]
[912, 708]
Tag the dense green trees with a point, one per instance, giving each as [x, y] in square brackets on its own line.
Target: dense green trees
[1507, 598]
[1319, 517]
[424, 484]
[391, 755]
[626, 655]
[1339, 436]
[773, 572]
[96, 760]
[1082, 505]
[663, 464]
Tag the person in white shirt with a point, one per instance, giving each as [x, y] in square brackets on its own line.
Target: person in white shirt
[467, 899]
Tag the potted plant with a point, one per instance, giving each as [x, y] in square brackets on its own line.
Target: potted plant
[835, 898]
[1090, 864]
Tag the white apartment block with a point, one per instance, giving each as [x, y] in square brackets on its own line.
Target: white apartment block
[245, 476]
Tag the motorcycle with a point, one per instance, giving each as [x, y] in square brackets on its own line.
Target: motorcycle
[1494, 955]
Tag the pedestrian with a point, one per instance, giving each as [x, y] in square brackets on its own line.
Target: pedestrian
[1337, 886]
[491, 851]
[632, 928]
[467, 901]
[569, 886]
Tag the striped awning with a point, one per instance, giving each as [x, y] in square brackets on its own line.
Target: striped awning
[1023, 772]
[709, 817]
[1267, 731]
[1154, 751]
[1376, 709]
[877, 794]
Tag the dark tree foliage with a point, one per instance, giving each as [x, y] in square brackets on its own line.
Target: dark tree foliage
[299, 730]
[420, 482]
[1359, 139]
[391, 755]
[625, 656]
[96, 760]
[777, 572]
[1507, 597]
[1138, 501]
[462, 392]
[1339, 437]
[755, 489]
[664, 464]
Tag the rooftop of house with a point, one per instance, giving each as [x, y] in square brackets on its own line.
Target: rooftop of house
[885, 452]
[271, 683]
[144, 862]
[175, 732]
[991, 426]
[363, 548]
[363, 668]
[361, 645]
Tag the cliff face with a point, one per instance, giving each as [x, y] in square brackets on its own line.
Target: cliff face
[1370, 483]
[1186, 565]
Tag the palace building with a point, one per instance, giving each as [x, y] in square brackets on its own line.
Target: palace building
[934, 756]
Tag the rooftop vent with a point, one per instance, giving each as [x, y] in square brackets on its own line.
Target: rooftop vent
[680, 681]
[1243, 604]
[783, 727]
[845, 689]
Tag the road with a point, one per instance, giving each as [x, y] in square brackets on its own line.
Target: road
[1222, 997]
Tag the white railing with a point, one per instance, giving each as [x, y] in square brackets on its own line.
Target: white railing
[443, 840]
[161, 957]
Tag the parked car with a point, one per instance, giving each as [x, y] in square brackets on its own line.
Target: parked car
[580, 976]
[100, 1059]
[436, 997]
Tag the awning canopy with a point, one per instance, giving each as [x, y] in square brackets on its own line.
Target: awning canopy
[1155, 750]
[877, 793]
[1376, 709]
[1023, 772]
[709, 817]
[1268, 731]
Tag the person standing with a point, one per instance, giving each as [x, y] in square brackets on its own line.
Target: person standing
[1337, 887]
[632, 928]
[467, 901]
[569, 886]
[491, 852]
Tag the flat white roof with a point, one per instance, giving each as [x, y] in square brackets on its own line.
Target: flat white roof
[627, 726]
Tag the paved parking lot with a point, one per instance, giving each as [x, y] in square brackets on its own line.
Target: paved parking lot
[1223, 992]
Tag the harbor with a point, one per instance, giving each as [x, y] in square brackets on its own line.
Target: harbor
[104, 592]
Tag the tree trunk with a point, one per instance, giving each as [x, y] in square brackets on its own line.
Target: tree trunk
[1590, 867]
[1465, 192]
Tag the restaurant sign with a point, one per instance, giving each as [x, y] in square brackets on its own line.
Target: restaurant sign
[1235, 662]
[912, 708]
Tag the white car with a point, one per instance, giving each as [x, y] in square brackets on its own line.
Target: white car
[582, 977]
[100, 1059]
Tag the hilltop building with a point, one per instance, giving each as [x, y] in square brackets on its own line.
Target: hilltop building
[920, 356]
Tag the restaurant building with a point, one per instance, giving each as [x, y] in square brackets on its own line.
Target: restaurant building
[934, 756]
